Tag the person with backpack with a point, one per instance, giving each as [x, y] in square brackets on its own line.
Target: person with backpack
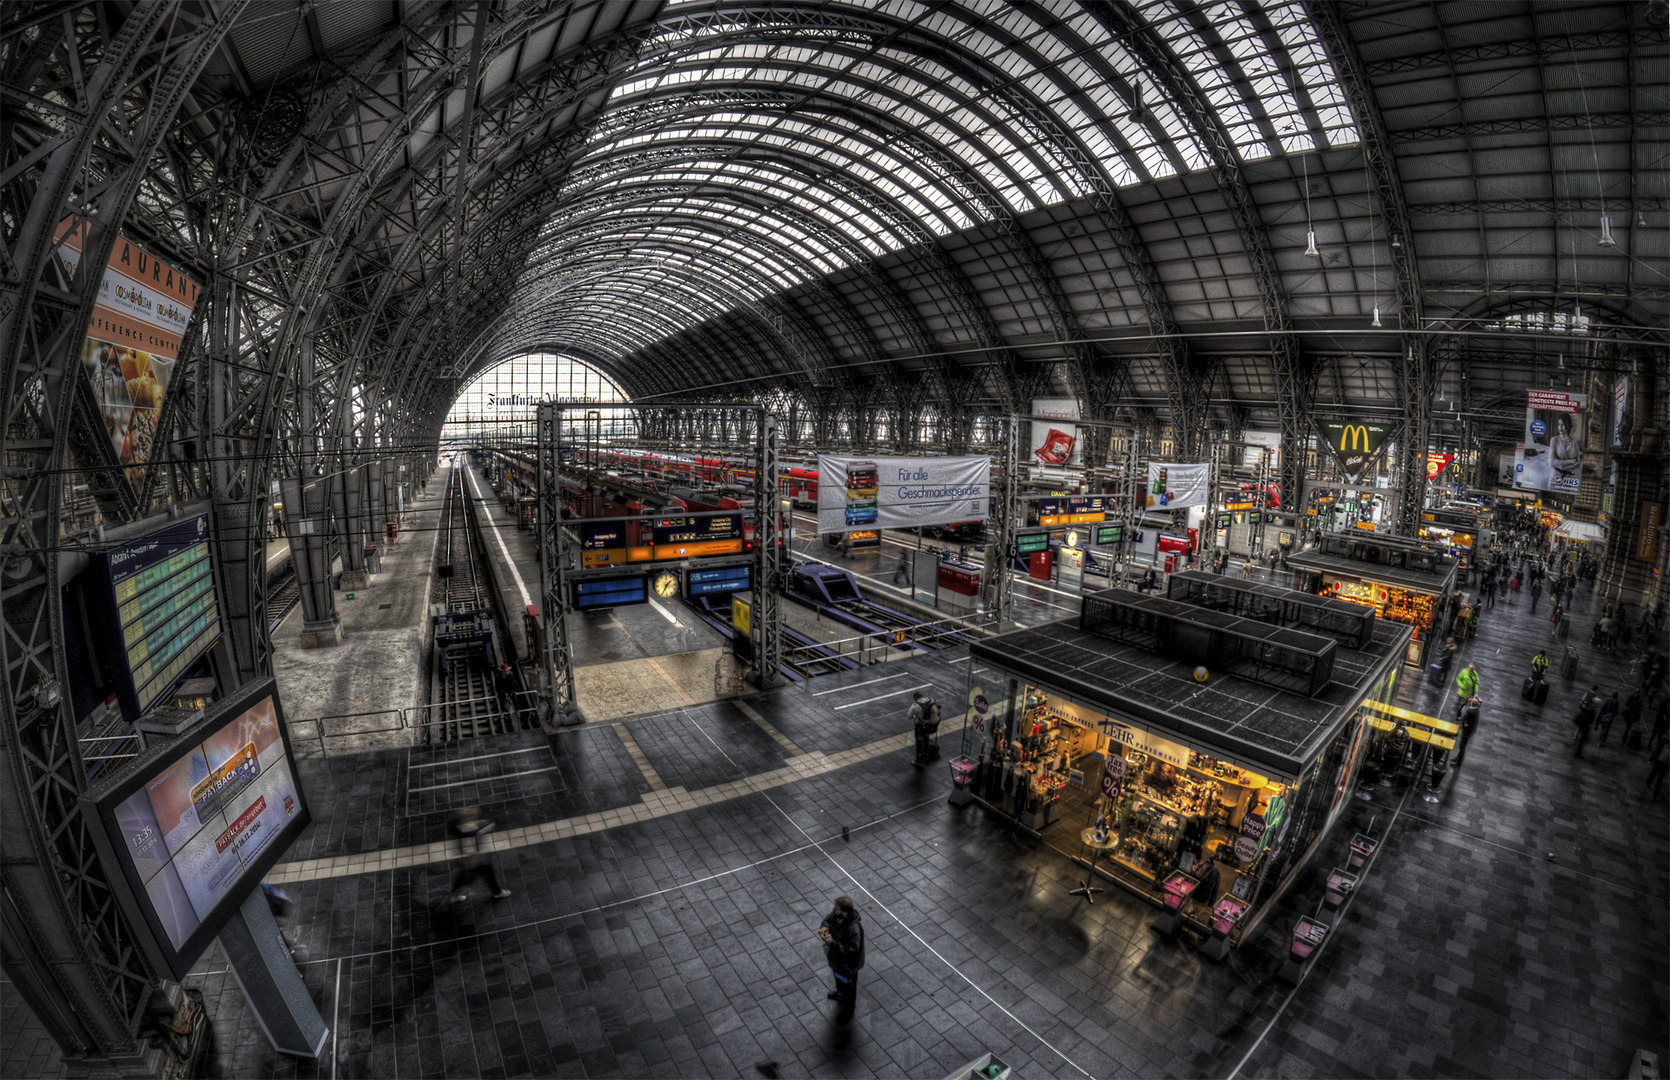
[1586, 713]
[1631, 715]
[924, 721]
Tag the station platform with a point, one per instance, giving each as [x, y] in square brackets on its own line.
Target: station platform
[667, 874]
[629, 660]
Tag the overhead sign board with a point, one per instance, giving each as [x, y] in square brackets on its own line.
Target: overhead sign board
[698, 530]
[1029, 543]
[1109, 535]
[591, 593]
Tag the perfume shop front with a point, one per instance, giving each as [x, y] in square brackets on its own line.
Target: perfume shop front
[1231, 831]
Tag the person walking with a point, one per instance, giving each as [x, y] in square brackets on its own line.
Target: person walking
[1246, 570]
[1608, 713]
[1469, 720]
[1539, 665]
[924, 721]
[1586, 712]
[1466, 686]
[1536, 592]
[1631, 714]
[1655, 771]
[901, 573]
[472, 823]
[842, 934]
[1513, 589]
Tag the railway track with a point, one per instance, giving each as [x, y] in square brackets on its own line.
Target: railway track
[465, 691]
[283, 594]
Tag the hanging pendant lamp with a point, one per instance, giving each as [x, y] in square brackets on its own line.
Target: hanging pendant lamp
[1606, 232]
[1310, 245]
[1376, 322]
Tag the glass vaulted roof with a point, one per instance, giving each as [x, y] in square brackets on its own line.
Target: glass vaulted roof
[744, 153]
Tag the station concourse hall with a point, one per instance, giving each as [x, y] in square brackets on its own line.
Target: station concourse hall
[834, 538]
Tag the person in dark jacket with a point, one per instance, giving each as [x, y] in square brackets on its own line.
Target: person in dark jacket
[1469, 721]
[1608, 713]
[842, 934]
[1586, 713]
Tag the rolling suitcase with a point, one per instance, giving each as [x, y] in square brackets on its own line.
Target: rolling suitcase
[1540, 694]
[1529, 688]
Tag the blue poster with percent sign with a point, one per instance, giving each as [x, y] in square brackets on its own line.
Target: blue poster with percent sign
[901, 492]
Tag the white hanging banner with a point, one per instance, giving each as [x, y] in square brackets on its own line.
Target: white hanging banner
[901, 492]
[1171, 485]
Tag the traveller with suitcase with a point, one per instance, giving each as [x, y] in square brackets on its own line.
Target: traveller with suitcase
[1535, 689]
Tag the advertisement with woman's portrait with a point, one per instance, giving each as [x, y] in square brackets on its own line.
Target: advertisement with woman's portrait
[1554, 434]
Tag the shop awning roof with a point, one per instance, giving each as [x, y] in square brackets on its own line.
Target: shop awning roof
[1427, 581]
[1269, 730]
[1579, 530]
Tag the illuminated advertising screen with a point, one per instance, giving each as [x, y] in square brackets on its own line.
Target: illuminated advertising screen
[197, 827]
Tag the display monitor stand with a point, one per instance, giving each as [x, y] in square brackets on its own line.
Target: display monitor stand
[260, 961]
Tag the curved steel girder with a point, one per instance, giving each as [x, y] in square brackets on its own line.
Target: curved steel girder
[1049, 146]
[93, 965]
[1382, 167]
[1185, 379]
[583, 71]
[436, 219]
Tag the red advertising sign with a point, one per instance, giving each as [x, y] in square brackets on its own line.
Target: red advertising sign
[1436, 463]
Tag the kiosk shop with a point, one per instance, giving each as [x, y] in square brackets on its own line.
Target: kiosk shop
[1397, 579]
[1218, 787]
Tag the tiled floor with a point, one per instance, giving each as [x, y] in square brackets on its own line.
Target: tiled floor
[1516, 928]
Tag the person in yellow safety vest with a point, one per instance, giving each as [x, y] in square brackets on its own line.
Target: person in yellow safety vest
[1466, 686]
[1539, 665]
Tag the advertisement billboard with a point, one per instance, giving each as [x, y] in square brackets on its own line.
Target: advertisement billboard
[1355, 444]
[1171, 485]
[195, 828]
[900, 492]
[1554, 432]
[143, 307]
[1055, 435]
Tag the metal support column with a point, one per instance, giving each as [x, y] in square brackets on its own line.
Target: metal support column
[350, 521]
[307, 521]
[997, 588]
[556, 653]
[768, 616]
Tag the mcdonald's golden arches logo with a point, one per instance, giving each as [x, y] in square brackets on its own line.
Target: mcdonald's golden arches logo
[1354, 437]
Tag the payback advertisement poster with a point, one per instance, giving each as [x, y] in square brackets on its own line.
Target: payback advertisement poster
[901, 492]
[1172, 485]
[143, 307]
[1554, 432]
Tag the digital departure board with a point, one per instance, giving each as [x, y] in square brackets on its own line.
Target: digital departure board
[590, 593]
[695, 530]
[160, 610]
[1109, 535]
[1031, 543]
[196, 826]
[714, 582]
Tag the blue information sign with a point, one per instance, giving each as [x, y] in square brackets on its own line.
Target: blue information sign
[611, 591]
[728, 579]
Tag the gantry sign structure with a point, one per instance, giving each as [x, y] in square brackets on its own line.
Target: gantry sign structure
[893, 226]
